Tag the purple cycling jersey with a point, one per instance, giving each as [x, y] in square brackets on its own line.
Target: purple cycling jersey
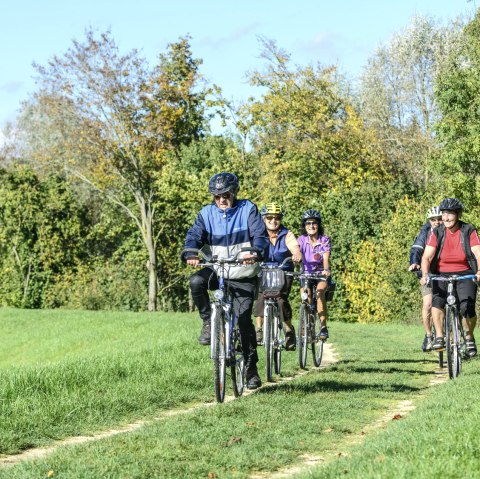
[313, 256]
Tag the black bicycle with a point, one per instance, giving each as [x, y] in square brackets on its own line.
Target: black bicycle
[273, 283]
[226, 348]
[455, 343]
[309, 322]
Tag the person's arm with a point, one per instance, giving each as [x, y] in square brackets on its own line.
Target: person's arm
[427, 258]
[196, 237]
[326, 263]
[293, 247]
[258, 232]
[417, 249]
[476, 253]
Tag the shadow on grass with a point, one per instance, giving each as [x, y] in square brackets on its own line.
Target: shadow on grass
[334, 386]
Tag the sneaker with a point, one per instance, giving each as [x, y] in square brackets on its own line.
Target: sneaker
[323, 333]
[290, 340]
[438, 344]
[205, 334]
[471, 347]
[427, 344]
[259, 333]
[254, 382]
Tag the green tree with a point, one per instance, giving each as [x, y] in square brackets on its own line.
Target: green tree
[458, 131]
[112, 122]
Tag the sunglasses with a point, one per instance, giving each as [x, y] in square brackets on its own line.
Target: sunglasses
[273, 217]
[311, 223]
[224, 196]
[436, 219]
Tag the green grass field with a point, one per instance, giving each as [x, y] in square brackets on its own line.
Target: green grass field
[68, 373]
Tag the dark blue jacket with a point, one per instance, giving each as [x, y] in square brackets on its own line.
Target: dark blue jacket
[279, 251]
[416, 252]
[226, 232]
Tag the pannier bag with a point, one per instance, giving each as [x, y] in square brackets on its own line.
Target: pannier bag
[272, 283]
[330, 291]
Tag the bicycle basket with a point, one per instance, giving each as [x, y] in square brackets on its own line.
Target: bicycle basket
[272, 283]
[331, 291]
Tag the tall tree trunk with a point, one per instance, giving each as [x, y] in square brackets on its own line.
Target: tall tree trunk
[152, 265]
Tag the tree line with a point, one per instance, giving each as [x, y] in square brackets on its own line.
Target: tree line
[108, 163]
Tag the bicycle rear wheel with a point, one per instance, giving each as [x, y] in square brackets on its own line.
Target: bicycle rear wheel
[218, 353]
[237, 367]
[279, 342]
[268, 336]
[317, 343]
[303, 336]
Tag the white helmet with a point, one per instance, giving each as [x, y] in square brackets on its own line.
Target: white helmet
[434, 212]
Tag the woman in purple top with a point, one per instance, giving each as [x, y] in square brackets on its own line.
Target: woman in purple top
[315, 248]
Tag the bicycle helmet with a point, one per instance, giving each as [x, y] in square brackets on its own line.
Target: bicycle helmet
[272, 209]
[223, 183]
[434, 212]
[311, 214]
[451, 204]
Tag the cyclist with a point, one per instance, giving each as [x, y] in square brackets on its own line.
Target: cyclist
[225, 226]
[434, 219]
[315, 247]
[453, 248]
[283, 244]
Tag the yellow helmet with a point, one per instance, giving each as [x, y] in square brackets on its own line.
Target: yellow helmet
[272, 209]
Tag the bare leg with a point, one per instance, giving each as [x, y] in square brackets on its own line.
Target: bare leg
[427, 314]
[322, 303]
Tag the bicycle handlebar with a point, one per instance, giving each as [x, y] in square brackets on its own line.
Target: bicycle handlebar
[452, 278]
[267, 265]
[215, 260]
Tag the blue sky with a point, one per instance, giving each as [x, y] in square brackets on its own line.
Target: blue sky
[224, 33]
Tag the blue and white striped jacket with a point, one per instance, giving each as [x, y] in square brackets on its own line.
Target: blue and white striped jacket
[226, 232]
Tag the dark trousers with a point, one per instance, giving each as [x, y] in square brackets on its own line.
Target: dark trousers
[243, 292]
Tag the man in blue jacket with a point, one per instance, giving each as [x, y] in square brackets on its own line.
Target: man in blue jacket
[225, 226]
[434, 218]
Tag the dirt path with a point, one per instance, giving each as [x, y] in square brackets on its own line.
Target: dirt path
[328, 358]
[397, 412]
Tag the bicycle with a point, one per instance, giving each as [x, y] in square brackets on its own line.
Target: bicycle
[273, 282]
[454, 334]
[225, 347]
[309, 322]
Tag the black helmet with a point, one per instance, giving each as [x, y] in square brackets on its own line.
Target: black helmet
[451, 204]
[311, 214]
[223, 183]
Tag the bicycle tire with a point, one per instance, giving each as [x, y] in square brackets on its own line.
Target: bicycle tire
[268, 335]
[449, 317]
[441, 363]
[237, 368]
[457, 357]
[279, 341]
[218, 352]
[317, 343]
[302, 336]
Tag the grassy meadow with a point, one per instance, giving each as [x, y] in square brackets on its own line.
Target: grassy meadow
[69, 373]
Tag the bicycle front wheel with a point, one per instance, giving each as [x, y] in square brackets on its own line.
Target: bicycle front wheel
[450, 346]
[237, 367]
[218, 353]
[268, 335]
[303, 336]
[457, 356]
[317, 343]
[279, 335]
